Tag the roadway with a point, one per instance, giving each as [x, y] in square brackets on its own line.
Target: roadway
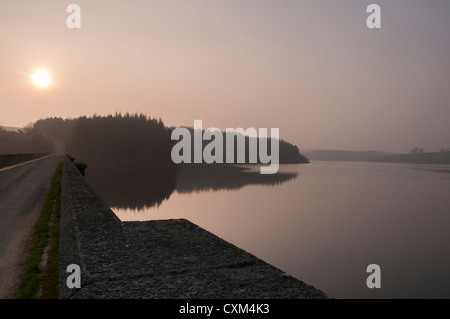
[23, 189]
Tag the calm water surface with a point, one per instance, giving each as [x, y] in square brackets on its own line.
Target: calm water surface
[329, 220]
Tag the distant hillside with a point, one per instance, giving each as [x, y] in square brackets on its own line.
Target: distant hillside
[344, 156]
[10, 128]
[23, 142]
[416, 158]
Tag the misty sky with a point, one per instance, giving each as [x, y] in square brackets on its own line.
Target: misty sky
[311, 68]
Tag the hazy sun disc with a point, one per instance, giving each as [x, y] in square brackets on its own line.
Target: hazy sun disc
[41, 78]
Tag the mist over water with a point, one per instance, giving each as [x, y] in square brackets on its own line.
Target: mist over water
[314, 71]
[325, 222]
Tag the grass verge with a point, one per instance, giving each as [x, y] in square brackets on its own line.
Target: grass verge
[40, 278]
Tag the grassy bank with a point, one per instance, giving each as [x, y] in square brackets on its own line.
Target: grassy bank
[40, 278]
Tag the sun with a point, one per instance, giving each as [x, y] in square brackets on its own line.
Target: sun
[41, 78]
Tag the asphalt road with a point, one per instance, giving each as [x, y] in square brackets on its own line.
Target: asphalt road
[22, 194]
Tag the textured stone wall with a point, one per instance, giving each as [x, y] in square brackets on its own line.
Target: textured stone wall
[156, 259]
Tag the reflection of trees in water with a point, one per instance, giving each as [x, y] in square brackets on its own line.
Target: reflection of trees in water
[202, 177]
[127, 187]
[130, 165]
[130, 187]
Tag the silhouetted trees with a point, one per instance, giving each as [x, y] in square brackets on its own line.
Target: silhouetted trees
[416, 150]
[55, 128]
[23, 141]
[129, 158]
[135, 139]
[127, 155]
[131, 140]
[288, 153]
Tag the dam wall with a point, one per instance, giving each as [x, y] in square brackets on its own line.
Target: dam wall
[162, 259]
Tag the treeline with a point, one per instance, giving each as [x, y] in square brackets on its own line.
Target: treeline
[417, 149]
[23, 142]
[129, 156]
[135, 139]
[131, 140]
[288, 153]
[56, 128]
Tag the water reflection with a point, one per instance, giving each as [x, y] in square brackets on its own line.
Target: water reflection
[129, 188]
[326, 227]
[200, 177]
[433, 168]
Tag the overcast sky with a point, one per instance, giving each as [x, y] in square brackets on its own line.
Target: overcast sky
[311, 68]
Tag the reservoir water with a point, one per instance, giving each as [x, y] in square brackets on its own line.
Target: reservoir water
[325, 222]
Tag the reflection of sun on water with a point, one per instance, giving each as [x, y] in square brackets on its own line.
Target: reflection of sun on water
[41, 78]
